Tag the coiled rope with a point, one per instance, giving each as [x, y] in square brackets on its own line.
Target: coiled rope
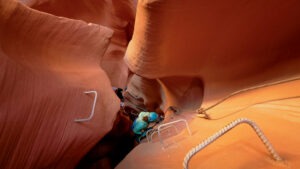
[224, 130]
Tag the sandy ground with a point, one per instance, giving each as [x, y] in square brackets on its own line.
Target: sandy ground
[275, 109]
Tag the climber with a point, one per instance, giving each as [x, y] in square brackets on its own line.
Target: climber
[141, 124]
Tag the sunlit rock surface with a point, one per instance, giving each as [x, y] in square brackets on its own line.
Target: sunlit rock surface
[198, 52]
[225, 45]
[185, 54]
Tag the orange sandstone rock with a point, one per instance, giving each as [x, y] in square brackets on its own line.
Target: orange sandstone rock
[46, 63]
[222, 46]
[115, 14]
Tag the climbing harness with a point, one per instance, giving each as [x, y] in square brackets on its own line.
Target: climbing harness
[224, 130]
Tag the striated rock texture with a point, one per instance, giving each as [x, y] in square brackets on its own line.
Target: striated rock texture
[207, 49]
[115, 14]
[118, 16]
[182, 53]
[46, 63]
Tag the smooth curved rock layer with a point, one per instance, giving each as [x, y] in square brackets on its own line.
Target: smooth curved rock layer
[47, 63]
[115, 14]
[229, 45]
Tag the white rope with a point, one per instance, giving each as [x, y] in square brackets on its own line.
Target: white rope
[203, 110]
[224, 130]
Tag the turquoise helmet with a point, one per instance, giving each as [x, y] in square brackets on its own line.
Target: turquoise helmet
[152, 117]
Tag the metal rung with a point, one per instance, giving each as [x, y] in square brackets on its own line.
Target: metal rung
[164, 126]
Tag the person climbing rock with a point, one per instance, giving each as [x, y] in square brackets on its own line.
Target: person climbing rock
[141, 124]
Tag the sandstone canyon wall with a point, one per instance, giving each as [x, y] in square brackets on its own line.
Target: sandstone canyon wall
[115, 14]
[204, 50]
[47, 63]
[182, 53]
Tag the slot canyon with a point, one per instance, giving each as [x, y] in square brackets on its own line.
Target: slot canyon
[202, 66]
